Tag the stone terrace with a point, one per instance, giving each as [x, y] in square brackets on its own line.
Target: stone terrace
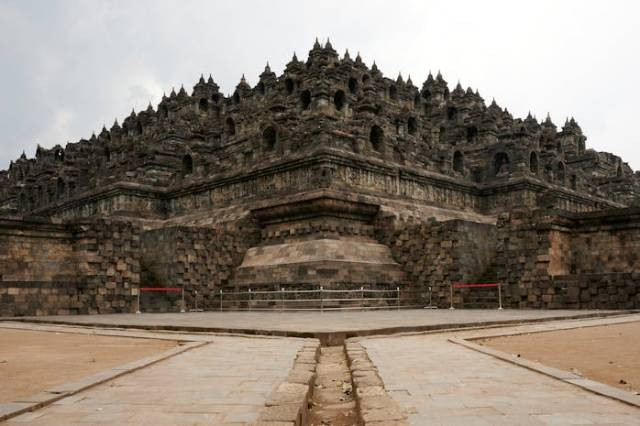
[326, 325]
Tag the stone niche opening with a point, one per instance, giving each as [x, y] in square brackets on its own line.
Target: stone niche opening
[323, 241]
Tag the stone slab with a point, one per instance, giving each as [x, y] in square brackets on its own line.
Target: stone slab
[332, 328]
[479, 388]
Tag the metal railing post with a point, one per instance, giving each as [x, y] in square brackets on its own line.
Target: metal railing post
[183, 307]
[138, 307]
[398, 298]
[451, 295]
[321, 300]
[249, 305]
[220, 299]
[500, 296]
[362, 297]
[282, 292]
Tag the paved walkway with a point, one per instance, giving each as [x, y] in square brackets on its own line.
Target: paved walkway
[438, 382]
[296, 323]
[228, 380]
[224, 382]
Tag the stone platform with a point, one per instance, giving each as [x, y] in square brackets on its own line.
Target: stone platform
[331, 328]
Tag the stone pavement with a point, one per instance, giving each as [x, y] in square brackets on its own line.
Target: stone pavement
[438, 382]
[305, 324]
[226, 381]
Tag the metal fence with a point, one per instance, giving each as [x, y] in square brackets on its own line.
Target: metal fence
[321, 299]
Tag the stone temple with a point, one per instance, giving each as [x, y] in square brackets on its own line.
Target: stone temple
[328, 175]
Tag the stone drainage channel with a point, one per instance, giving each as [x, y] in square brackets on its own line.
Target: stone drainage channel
[333, 401]
[348, 390]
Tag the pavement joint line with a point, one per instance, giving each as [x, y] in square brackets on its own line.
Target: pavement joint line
[593, 386]
[13, 409]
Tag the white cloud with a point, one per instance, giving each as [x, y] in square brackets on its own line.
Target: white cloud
[59, 128]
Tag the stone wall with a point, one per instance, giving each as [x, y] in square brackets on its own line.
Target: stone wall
[91, 267]
[523, 254]
[607, 241]
[435, 254]
[543, 258]
[200, 260]
[555, 259]
[108, 256]
[593, 291]
[36, 251]
[18, 298]
[526, 192]
[122, 198]
[327, 168]
[38, 271]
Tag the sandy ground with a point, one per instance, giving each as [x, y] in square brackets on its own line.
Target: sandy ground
[608, 354]
[33, 361]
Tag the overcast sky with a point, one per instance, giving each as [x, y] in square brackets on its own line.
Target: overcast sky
[67, 67]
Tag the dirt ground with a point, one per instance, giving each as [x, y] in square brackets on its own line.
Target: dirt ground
[33, 361]
[607, 354]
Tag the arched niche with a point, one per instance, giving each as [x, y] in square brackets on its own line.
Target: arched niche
[560, 173]
[458, 162]
[472, 134]
[230, 126]
[500, 163]
[353, 85]
[187, 165]
[269, 138]
[533, 163]
[412, 125]
[393, 92]
[60, 188]
[289, 85]
[452, 113]
[376, 137]
[339, 100]
[573, 181]
[305, 99]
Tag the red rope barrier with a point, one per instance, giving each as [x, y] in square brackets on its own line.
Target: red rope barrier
[460, 285]
[161, 289]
